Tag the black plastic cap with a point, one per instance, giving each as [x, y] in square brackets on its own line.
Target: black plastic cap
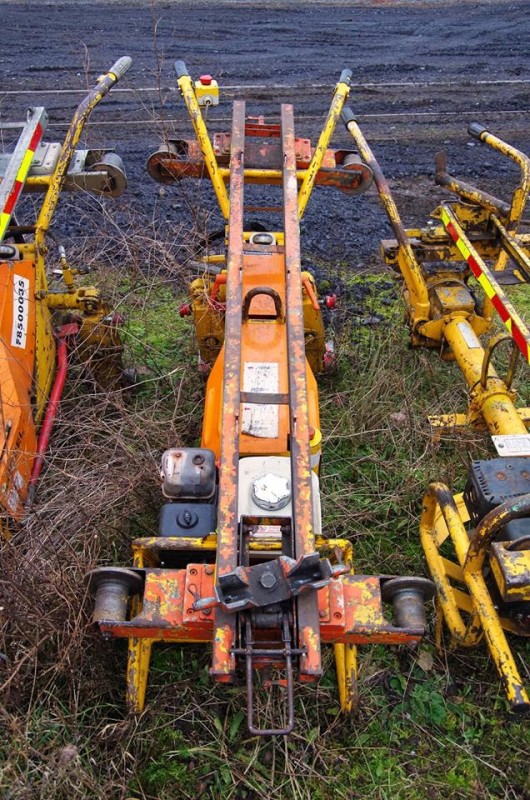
[345, 76]
[121, 66]
[476, 130]
[347, 115]
[181, 69]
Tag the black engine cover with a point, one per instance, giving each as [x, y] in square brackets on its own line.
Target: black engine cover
[491, 483]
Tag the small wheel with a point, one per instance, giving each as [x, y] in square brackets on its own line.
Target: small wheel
[424, 586]
[408, 596]
[113, 586]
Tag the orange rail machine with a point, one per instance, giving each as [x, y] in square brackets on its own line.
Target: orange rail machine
[240, 559]
[37, 320]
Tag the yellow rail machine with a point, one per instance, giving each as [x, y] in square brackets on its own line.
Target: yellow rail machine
[241, 560]
[454, 271]
[38, 321]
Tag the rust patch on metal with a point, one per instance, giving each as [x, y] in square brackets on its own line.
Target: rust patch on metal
[355, 614]
[223, 662]
[304, 538]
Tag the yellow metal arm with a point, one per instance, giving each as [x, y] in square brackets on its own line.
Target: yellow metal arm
[83, 111]
[340, 96]
[465, 190]
[418, 298]
[201, 132]
[520, 194]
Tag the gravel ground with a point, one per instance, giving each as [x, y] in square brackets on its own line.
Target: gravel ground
[421, 71]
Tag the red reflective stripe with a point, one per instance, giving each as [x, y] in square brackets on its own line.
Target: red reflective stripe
[500, 308]
[520, 340]
[518, 336]
[475, 267]
[35, 139]
[12, 199]
[451, 230]
[17, 186]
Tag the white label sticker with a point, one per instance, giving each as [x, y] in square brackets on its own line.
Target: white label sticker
[469, 336]
[18, 480]
[260, 420]
[20, 311]
[512, 445]
[12, 500]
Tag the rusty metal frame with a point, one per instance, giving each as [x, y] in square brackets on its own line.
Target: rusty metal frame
[308, 629]
[223, 659]
[441, 519]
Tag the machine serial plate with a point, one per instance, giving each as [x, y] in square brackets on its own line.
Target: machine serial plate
[512, 445]
[469, 336]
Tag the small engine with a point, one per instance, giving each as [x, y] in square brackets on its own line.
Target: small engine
[491, 483]
[189, 480]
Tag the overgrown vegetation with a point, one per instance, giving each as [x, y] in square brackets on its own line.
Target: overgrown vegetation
[427, 725]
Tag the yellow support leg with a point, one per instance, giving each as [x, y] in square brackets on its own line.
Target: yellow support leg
[138, 660]
[471, 554]
[346, 654]
[346, 664]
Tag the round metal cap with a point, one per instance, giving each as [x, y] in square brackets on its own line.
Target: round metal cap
[8, 251]
[264, 238]
[119, 576]
[395, 586]
[268, 580]
[271, 492]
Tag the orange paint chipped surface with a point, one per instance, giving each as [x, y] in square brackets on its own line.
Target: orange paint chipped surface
[17, 362]
[263, 340]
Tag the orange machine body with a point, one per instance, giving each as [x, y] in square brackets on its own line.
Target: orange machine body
[17, 362]
[264, 364]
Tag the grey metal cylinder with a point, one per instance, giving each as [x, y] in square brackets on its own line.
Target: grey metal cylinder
[113, 586]
[408, 597]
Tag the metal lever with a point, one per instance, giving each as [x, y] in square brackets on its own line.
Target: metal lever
[287, 653]
[274, 581]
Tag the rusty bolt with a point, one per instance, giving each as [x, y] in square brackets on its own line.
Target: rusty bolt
[198, 459]
[208, 570]
[337, 615]
[190, 611]
[207, 612]
[268, 580]
[321, 614]
[193, 571]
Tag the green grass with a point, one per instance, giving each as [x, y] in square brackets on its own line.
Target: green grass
[428, 725]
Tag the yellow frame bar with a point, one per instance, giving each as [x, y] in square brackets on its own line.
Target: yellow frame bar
[485, 616]
[201, 132]
[520, 194]
[418, 297]
[340, 96]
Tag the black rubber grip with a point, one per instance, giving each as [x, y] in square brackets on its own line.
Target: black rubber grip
[476, 130]
[121, 66]
[181, 69]
[345, 76]
[347, 115]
